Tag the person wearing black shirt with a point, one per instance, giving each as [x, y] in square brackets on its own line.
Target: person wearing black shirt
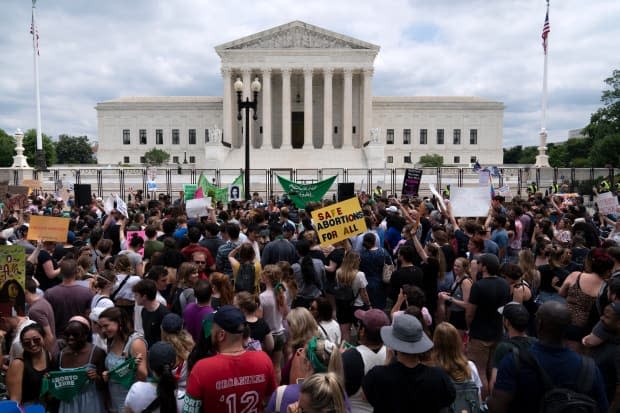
[153, 312]
[406, 274]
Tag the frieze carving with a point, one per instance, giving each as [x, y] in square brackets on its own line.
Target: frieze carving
[297, 38]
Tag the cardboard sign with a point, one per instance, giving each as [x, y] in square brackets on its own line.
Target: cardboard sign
[196, 208]
[339, 221]
[411, 182]
[12, 278]
[607, 203]
[18, 190]
[48, 228]
[32, 183]
[470, 202]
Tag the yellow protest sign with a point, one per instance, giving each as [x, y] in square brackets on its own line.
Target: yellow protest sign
[12, 278]
[48, 228]
[339, 221]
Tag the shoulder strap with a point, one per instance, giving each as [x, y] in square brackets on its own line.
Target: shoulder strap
[279, 397]
[152, 406]
[585, 380]
[120, 287]
[324, 331]
[529, 359]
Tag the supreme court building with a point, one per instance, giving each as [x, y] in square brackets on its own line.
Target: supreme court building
[316, 109]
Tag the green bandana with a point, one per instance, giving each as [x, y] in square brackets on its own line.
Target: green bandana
[124, 373]
[64, 385]
[317, 365]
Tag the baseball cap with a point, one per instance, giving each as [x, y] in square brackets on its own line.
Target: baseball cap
[516, 314]
[172, 323]
[230, 319]
[391, 209]
[160, 354]
[372, 319]
[287, 227]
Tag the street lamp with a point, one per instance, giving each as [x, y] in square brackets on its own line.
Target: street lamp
[247, 105]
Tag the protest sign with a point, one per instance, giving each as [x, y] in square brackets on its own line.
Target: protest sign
[339, 221]
[301, 194]
[411, 182]
[18, 190]
[32, 183]
[505, 192]
[196, 208]
[151, 186]
[470, 202]
[189, 190]
[48, 228]
[607, 203]
[484, 177]
[12, 278]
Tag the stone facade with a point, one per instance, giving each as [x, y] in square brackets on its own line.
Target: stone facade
[315, 110]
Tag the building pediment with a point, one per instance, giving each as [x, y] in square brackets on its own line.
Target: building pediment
[297, 35]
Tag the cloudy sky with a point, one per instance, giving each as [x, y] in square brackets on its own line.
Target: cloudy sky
[91, 51]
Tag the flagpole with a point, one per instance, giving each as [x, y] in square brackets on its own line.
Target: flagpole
[542, 160]
[39, 155]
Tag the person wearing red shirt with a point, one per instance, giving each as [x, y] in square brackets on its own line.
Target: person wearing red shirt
[234, 380]
[194, 234]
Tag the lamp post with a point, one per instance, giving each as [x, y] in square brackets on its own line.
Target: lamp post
[247, 105]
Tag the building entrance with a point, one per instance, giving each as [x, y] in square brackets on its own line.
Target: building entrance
[297, 130]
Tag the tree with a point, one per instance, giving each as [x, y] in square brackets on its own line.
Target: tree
[606, 152]
[528, 155]
[30, 146]
[156, 156]
[74, 149]
[606, 120]
[431, 161]
[7, 143]
[512, 155]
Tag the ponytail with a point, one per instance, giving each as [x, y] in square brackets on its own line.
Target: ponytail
[166, 387]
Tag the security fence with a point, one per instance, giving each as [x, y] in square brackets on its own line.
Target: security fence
[154, 181]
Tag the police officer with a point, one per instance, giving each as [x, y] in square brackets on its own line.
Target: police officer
[446, 192]
[554, 188]
[532, 188]
[604, 186]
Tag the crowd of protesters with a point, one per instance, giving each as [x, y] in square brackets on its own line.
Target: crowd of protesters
[243, 309]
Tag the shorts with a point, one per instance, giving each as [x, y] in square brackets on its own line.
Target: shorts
[279, 340]
[344, 313]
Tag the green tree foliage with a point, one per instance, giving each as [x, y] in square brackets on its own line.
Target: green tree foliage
[430, 161]
[156, 156]
[7, 143]
[30, 146]
[606, 120]
[74, 149]
[606, 151]
[512, 155]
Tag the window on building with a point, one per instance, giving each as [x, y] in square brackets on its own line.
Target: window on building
[142, 136]
[456, 136]
[353, 130]
[457, 160]
[473, 136]
[192, 136]
[192, 159]
[440, 136]
[126, 137]
[389, 138]
[207, 136]
[407, 159]
[335, 129]
[126, 159]
[175, 159]
[473, 159]
[175, 136]
[406, 136]
[390, 159]
[423, 136]
[142, 159]
[159, 136]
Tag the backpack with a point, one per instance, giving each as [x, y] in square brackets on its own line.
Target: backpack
[561, 399]
[467, 397]
[245, 280]
[179, 301]
[344, 294]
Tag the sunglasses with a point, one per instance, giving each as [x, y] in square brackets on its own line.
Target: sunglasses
[34, 341]
[200, 262]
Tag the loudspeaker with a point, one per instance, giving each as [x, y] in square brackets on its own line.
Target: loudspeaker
[82, 194]
[346, 190]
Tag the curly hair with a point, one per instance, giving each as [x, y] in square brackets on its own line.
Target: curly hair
[182, 342]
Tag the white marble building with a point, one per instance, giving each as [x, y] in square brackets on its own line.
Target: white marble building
[315, 110]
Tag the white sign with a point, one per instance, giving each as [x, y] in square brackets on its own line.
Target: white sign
[470, 202]
[151, 186]
[196, 208]
[234, 193]
[505, 192]
[607, 203]
[484, 177]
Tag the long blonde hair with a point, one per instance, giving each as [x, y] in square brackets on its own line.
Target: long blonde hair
[448, 352]
[326, 392]
[527, 263]
[349, 268]
[301, 327]
[182, 342]
[272, 275]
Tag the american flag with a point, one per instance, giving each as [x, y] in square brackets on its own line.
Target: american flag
[545, 32]
[35, 32]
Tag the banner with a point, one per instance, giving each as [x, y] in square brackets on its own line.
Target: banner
[470, 202]
[12, 278]
[209, 190]
[411, 182]
[48, 228]
[301, 194]
[196, 208]
[607, 203]
[340, 221]
[189, 190]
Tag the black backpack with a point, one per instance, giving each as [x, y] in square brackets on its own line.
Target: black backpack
[343, 294]
[179, 301]
[561, 399]
[245, 280]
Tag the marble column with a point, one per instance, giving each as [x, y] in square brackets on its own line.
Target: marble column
[227, 134]
[247, 93]
[366, 106]
[347, 109]
[286, 109]
[267, 138]
[308, 139]
[327, 108]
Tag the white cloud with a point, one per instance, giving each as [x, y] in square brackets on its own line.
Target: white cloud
[94, 51]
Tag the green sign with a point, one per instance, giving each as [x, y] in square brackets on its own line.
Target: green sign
[64, 385]
[301, 194]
